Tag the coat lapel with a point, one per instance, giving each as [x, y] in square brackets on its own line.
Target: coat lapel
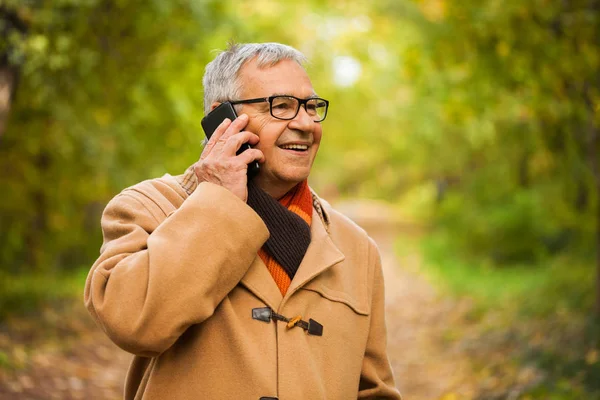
[260, 282]
[321, 254]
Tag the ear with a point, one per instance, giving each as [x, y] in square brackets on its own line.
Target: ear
[214, 105]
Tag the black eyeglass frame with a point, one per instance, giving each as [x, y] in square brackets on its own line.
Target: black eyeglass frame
[270, 101]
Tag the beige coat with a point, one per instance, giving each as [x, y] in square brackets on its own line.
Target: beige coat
[178, 278]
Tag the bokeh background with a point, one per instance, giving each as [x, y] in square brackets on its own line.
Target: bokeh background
[476, 123]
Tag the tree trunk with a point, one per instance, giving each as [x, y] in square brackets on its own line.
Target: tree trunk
[10, 23]
[594, 7]
[7, 86]
[598, 254]
[596, 170]
[595, 167]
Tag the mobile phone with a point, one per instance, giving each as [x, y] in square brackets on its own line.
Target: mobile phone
[214, 119]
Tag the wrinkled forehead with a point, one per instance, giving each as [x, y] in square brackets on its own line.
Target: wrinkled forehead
[284, 77]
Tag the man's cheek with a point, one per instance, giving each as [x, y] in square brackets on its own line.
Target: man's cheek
[318, 134]
[262, 122]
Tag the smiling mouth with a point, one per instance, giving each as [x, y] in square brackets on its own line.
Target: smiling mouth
[295, 147]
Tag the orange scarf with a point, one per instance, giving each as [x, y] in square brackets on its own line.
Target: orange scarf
[299, 201]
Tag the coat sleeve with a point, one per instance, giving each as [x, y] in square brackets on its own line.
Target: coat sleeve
[154, 279]
[377, 379]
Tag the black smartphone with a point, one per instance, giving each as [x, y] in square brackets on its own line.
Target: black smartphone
[214, 119]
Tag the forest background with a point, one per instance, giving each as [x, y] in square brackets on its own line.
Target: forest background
[478, 120]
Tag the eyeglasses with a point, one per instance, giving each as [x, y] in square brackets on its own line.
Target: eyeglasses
[287, 107]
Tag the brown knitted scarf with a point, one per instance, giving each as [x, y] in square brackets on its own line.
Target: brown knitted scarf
[288, 220]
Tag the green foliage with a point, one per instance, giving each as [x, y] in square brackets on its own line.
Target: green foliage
[503, 117]
[562, 284]
[533, 315]
[23, 295]
[103, 101]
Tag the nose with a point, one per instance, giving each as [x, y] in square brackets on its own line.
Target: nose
[302, 121]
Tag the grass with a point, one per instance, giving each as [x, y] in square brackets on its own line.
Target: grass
[562, 284]
[531, 317]
[24, 294]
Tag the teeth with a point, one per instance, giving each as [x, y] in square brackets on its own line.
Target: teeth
[300, 147]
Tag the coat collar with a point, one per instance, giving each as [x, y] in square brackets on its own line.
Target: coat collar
[321, 254]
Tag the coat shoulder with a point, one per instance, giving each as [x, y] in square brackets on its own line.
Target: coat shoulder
[161, 195]
[341, 225]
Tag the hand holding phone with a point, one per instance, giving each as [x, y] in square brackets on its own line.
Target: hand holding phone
[212, 121]
[223, 162]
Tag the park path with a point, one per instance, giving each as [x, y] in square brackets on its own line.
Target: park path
[427, 363]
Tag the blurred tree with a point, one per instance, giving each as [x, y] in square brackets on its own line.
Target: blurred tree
[504, 115]
[103, 101]
[10, 26]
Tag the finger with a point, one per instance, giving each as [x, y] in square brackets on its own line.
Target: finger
[236, 126]
[254, 139]
[214, 139]
[235, 142]
[251, 155]
[218, 133]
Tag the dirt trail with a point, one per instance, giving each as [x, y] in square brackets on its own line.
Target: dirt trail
[427, 365]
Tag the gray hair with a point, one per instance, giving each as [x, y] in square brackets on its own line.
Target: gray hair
[220, 80]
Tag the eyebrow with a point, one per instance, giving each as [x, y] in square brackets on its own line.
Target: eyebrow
[312, 96]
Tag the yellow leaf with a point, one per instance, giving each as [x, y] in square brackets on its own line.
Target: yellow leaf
[102, 116]
[502, 49]
[591, 357]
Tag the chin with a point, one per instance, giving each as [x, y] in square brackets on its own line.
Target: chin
[289, 182]
[281, 177]
[294, 177]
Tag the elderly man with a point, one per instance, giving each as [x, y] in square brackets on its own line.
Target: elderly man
[229, 287]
